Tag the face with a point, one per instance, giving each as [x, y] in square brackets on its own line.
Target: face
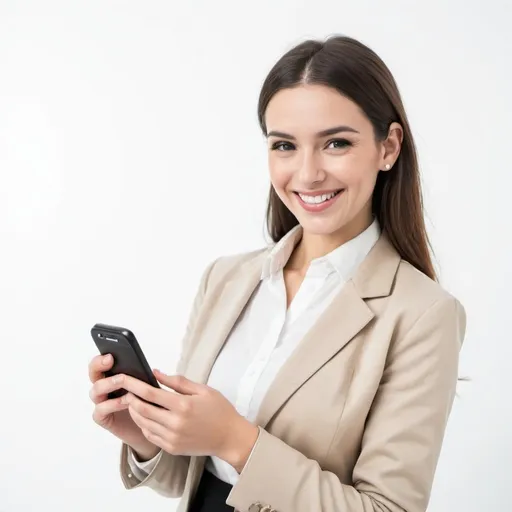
[324, 159]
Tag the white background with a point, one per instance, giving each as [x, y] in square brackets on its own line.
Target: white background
[130, 157]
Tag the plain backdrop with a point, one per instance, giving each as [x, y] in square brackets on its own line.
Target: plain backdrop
[130, 157]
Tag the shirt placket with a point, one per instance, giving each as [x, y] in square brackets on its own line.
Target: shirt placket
[313, 281]
[259, 362]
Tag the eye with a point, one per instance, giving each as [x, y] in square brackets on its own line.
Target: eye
[282, 146]
[339, 143]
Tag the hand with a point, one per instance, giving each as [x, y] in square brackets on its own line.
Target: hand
[194, 419]
[112, 414]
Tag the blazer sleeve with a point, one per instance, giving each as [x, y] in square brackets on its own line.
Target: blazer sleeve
[169, 474]
[401, 442]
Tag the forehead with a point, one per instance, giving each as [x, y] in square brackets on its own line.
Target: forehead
[307, 109]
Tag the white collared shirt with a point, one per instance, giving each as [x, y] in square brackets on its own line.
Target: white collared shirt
[268, 332]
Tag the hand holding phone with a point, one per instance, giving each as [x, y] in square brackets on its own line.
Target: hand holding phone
[119, 353]
[128, 356]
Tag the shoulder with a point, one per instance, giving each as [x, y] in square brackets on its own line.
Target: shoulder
[410, 279]
[417, 299]
[418, 288]
[224, 266]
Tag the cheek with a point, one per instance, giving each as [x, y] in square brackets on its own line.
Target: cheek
[357, 179]
[280, 174]
[358, 176]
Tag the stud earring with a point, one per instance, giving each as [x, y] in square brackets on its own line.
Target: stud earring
[388, 167]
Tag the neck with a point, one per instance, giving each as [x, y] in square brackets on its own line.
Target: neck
[313, 246]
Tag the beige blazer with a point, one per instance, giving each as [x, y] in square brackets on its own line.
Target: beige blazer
[355, 419]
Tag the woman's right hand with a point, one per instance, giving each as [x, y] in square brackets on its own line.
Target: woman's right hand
[112, 414]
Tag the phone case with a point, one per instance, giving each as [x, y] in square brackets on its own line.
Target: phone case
[128, 356]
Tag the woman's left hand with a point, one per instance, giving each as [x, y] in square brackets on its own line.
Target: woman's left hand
[193, 419]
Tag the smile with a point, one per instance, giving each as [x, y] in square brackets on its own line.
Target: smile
[319, 202]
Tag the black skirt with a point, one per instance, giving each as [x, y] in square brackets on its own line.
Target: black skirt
[211, 495]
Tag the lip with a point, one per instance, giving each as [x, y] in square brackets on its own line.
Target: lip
[315, 208]
[317, 192]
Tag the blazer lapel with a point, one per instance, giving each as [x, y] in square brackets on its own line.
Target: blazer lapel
[343, 319]
[223, 315]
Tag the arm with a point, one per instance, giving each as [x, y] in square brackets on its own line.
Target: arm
[401, 442]
[166, 474]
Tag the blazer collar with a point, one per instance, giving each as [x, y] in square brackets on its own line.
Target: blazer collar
[345, 259]
[329, 335]
[376, 274]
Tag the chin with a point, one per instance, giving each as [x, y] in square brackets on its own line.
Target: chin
[321, 227]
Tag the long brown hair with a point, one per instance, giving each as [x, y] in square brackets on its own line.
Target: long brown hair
[359, 74]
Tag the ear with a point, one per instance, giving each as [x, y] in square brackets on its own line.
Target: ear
[391, 146]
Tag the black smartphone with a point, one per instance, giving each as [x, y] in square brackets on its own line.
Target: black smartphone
[128, 356]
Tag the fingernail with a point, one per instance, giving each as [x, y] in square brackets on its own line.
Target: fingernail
[106, 359]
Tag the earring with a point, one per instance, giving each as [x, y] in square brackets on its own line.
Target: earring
[388, 167]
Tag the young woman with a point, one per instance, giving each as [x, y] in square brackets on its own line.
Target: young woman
[317, 374]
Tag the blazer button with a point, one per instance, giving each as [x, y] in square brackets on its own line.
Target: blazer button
[267, 508]
[255, 507]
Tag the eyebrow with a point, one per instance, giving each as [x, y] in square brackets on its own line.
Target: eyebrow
[323, 133]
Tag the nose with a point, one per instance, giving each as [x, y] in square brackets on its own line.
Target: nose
[310, 170]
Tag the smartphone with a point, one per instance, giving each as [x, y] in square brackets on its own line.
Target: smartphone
[128, 356]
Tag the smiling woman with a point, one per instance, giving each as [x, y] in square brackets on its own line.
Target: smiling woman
[317, 374]
[336, 108]
[326, 176]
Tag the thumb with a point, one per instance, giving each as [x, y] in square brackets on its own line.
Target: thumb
[178, 383]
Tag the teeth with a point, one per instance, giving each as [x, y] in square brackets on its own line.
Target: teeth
[317, 199]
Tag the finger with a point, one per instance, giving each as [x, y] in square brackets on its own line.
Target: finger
[102, 387]
[157, 414]
[148, 424]
[106, 408]
[151, 394]
[179, 383]
[99, 365]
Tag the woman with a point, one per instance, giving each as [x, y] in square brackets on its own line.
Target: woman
[318, 374]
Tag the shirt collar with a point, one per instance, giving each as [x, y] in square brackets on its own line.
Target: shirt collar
[344, 259]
